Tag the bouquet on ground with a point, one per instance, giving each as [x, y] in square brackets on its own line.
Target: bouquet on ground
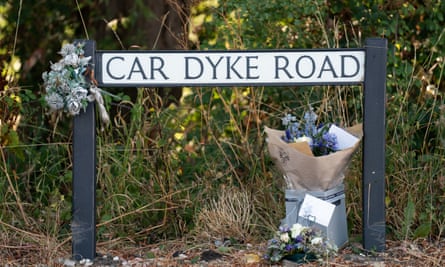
[312, 156]
[70, 83]
[298, 243]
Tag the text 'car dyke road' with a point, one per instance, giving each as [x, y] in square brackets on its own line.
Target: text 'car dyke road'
[208, 68]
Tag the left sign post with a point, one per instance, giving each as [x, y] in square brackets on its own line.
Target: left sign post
[83, 224]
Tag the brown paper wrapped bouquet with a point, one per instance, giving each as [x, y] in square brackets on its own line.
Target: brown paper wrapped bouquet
[312, 157]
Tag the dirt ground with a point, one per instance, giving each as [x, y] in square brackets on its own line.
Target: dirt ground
[420, 253]
[179, 253]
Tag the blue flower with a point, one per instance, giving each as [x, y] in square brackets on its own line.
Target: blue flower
[309, 127]
[321, 141]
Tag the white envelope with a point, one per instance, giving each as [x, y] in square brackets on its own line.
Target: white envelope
[316, 210]
[344, 139]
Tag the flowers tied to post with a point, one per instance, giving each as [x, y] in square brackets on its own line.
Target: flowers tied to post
[321, 141]
[298, 239]
[66, 85]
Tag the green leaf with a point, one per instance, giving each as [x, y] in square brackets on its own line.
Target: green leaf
[423, 230]
[225, 250]
[409, 213]
[150, 255]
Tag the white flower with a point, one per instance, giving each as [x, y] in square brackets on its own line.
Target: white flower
[304, 138]
[71, 59]
[49, 89]
[58, 66]
[66, 86]
[316, 240]
[73, 106]
[284, 237]
[296, 230]
[288, 119]
[67, 49]
[45, 76]
[84, 61]
[55, 101]
[80, 93]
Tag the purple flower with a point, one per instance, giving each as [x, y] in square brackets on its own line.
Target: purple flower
[330, 141]
[288, 247]
[299, 239]
[288, 138]
[284, 228]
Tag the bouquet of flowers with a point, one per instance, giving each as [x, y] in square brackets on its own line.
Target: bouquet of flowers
[312, 157]
[299, 243]
[66, 86]
[320, 141]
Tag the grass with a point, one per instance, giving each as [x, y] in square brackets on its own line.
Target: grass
[229, 215]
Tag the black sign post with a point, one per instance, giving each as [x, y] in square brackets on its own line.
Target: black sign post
[365, 66]
[83, 224]
[374, 145]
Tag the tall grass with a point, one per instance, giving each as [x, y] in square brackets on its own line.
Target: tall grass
[415, 155]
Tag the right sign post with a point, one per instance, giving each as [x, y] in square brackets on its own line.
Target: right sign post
[374, 129]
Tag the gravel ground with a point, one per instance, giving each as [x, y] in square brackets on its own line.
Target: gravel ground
[180, 253]
[419, 253]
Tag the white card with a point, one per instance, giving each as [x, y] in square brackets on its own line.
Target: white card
[344, 139]
[316, 210]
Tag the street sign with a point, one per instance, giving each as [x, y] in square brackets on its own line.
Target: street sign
[225, 68]
[366, 67]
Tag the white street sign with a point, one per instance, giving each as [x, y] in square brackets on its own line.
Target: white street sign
[206, 68]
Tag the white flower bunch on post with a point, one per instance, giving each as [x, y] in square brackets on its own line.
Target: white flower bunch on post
[66, 86]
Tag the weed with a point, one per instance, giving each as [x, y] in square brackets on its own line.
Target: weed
[229, 215]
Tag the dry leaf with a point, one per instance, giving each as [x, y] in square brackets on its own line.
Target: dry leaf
[252, 258]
